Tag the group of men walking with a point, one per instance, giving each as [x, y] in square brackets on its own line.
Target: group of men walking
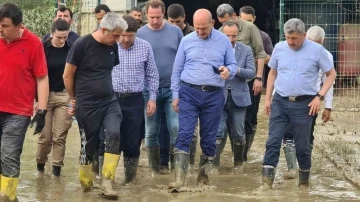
[167, 80]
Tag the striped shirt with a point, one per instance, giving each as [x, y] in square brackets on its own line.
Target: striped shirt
[137, 69]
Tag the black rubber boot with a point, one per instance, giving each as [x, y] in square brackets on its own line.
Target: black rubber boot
[56, 170]
[193, 150]
[219, 149]
[204, 169]
[95, 162]
[153, 153]
[40, 167]
[252, 136]
[290, 156]
[304, 178]
[268, 176]
[247, 147]
[101, 163]
[239, 148]
[181, 160]
[172, 163]
[130, 169]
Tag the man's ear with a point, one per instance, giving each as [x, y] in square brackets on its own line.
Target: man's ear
[213, 21]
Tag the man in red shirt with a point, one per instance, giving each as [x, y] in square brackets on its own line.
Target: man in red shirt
[22, 68]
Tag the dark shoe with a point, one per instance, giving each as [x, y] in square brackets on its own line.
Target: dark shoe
[204, 169]
[56, 170]
[153, 153]
[239, 148]
[304, 178]
[181, 164]
[95, 163]
[290, 156]
[268, 176]
[172, 164]
[130, 169]
[193, 146]
[40, 167]
[247, 147]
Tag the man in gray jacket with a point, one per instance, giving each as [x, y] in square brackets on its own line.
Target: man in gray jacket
[237, 97]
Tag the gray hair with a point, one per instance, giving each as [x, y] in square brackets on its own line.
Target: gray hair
[315, 33]
[112, 21]
[224, 9]
[294, 25]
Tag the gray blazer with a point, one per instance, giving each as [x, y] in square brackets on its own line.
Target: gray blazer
[239, 87]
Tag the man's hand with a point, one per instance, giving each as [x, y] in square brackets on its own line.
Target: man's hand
[71, 107]
[224, 72]
[175, 105]
[326, 115]
[151, 107]
[314, 106]
[257, 87]
[39, 122]
[267, 107]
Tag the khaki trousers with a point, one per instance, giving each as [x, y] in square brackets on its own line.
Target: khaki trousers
[57, 125]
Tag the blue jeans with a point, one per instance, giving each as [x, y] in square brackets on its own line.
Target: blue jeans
[205, 105]
[284, 114]
[12, 134]
[153, 123]
[236, 117]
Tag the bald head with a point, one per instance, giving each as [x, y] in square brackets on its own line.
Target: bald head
[203, 14]
[203, 23]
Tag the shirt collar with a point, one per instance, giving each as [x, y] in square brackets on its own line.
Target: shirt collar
[241, 23]
[210, 35]
[48, 43]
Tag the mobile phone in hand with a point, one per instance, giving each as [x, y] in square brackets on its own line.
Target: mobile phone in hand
[216, 70]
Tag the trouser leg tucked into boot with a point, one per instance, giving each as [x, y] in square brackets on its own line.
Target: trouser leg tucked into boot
[181, 166]
[204, 169]
[304, 177]
[268, 176]
[86, 177]
[108, 175]
[130, 169]
[219, 149]
[8, 188]
[290, 156]
[153, 153]
[239, 148]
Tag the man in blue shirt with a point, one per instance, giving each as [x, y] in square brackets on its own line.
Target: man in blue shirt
[164, 39]
[295, 64]
[204, 61]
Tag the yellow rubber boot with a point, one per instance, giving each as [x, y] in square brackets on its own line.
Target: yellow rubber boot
[8, 187]
[108, 175]
[86, 177]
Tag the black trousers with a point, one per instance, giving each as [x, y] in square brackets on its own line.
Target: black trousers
[92, 119]
[132, 109]
[252, 110]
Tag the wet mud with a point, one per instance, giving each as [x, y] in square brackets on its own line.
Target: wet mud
[327, 182]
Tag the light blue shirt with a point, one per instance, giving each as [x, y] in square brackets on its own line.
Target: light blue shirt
[196, 57]
[297, 70]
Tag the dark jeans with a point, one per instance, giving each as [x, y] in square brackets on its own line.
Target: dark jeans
[284, 114]
[164, 139]
[288, 138]
[92, 119]
[205, 105]
[12, 134]
[252, 110]
[132, 109]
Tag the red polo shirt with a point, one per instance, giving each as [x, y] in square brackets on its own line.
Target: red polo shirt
[21, 62]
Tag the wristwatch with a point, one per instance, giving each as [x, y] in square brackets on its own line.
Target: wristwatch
[329, 109]
[258, 78]
[42, 111]
[320, 96]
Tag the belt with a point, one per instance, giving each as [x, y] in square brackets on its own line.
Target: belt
[126, 95]
[298, 98]
[57, 91]
[203, 87]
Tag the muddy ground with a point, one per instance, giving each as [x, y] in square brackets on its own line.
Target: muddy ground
[327, 181]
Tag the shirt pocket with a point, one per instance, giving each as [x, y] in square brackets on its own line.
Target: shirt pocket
[308, 65]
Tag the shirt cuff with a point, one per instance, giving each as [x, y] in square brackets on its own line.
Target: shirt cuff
[238, 71]
[328, 104]
[152, 96]
[175, 95]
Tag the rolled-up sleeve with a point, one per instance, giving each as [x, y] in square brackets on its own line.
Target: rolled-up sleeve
[256, 42]
[177, 69]
[273, 64]
[324, 61]
[151, 75]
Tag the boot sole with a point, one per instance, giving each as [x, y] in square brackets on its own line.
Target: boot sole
[110, 196]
